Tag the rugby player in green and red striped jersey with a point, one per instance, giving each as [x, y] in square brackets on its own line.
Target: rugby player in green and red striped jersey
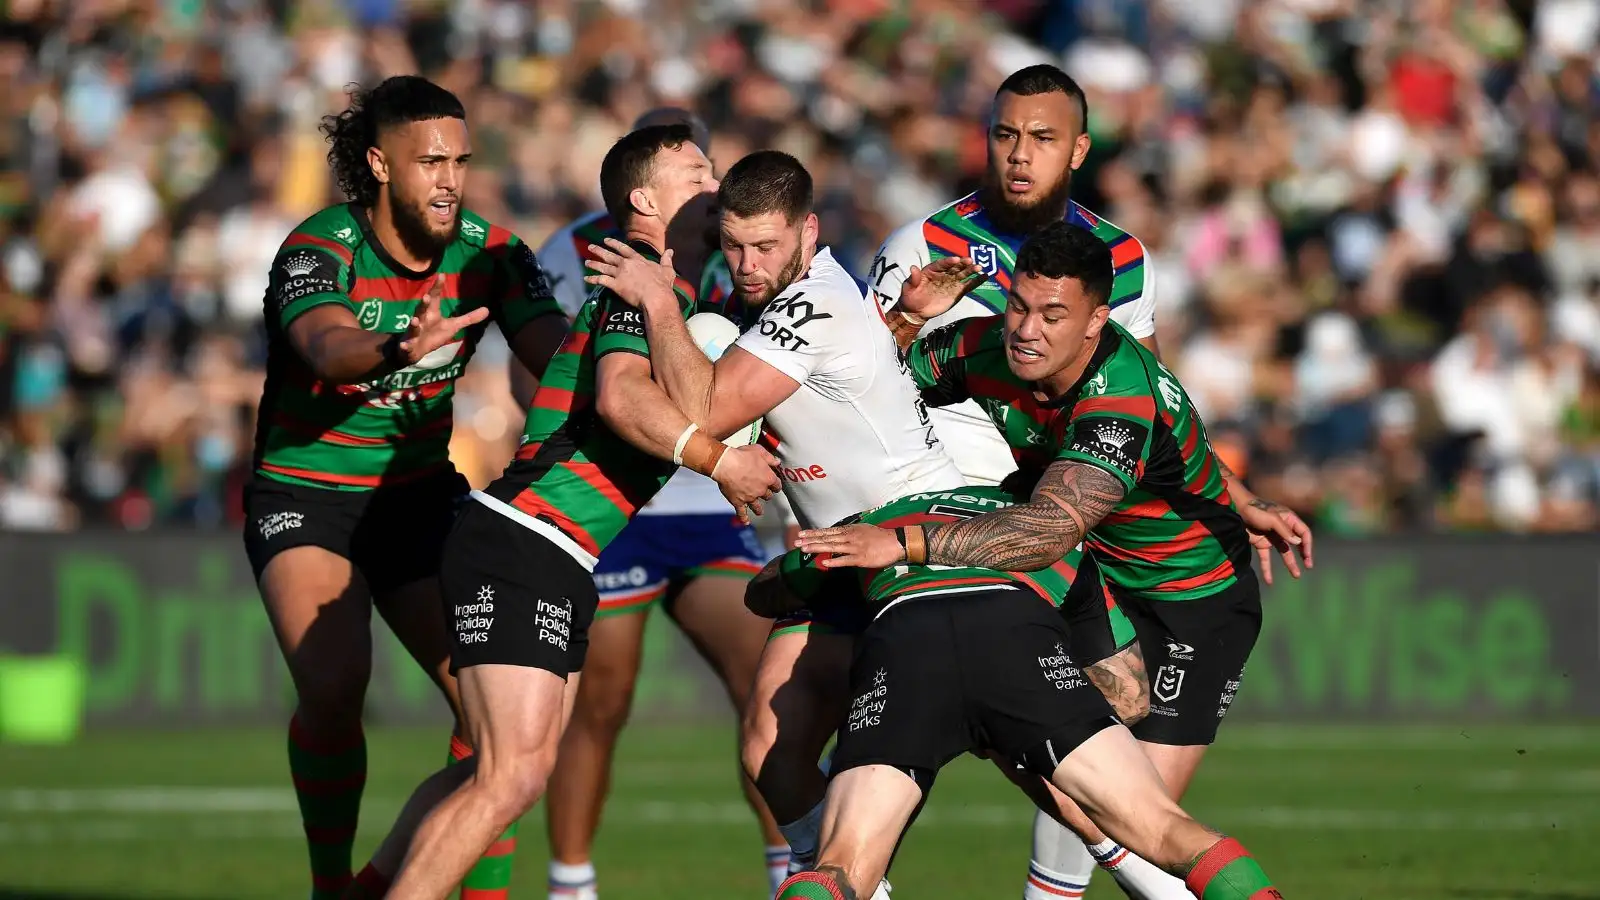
[373, 309]
[600, 440]
[962, 653]
[683, 551]
[1126, 465]
[1037, 138]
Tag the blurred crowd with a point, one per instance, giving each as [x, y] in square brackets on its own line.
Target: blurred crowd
[1375, 223]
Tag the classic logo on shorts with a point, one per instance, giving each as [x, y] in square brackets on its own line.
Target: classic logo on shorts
[279, 522]
[554, 620]
[866, 710]
[985, 257]
[1179, 650]
[1059, 670]
[473, 620]
[1169, 684]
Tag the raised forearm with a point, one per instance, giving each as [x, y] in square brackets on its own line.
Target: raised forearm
[638, 410]
[904, 326]
[341, 354]
[681, 368]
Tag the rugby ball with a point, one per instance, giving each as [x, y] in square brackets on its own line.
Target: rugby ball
[714, 334]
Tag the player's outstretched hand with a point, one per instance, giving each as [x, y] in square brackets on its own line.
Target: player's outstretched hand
[430, 329]
[1275, 528]
[747, 475]
[932, 289]
[630, 276]
[862, 546]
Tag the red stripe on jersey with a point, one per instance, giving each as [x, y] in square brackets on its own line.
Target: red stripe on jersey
[952, 582]
[529, 450]
[535, 506]
[980, 385]
[1138, 407]
[333, 246]
[355, 480]
[1186, 540]
[328, 436]
[598, 480]
[1126, 251]
[498, 238]
[393, 288]
[1221, 572]
[942, 238]
[973, 332]
[1149, 509]
[768, 439]
[550, 397]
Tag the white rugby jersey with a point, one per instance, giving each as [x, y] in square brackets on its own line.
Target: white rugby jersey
[687, 492]
[856, 434]
[963, 229]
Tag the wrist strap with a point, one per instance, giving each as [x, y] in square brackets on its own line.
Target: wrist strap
[702, 453]
[915, 542]
[677, 451]
[913, 319]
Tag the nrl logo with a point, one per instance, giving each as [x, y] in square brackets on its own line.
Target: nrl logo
[1113, 435]
[985, 257]
[299, 265]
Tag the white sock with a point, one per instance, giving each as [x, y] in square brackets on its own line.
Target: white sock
[802, 835]
[1138, 877]
[777, 867]
[572, 882]
[1061, 864]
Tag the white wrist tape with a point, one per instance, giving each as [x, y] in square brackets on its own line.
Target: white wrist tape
[683, 441]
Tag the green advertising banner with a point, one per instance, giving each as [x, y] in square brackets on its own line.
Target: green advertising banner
[172, 632]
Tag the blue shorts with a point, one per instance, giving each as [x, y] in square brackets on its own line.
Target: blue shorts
[655, 553]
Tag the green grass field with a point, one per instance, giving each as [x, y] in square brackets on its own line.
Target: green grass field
[1334, 814]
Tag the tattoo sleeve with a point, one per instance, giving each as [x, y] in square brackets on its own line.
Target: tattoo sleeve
[1071, 498]
[1123, 680]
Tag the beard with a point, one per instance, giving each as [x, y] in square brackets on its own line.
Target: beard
[421, 236]
[1012, 217]
[786, 276]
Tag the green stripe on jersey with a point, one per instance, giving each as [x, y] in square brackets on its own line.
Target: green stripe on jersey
[1175, 535]
[395, 428]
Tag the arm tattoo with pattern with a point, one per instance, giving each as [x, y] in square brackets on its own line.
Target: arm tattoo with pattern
[1071, 498]
[1123, 680]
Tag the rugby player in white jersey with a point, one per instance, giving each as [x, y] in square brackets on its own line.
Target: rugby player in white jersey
[841, 414]
[1037, 139]
[683, 550]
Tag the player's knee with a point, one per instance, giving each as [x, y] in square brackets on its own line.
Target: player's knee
[514, 781]
[755, 744]
[331, 694]
[605, 709]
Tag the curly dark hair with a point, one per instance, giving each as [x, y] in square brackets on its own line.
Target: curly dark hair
[1064, 250]
[395, 101]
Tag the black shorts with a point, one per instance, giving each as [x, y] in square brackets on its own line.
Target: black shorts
[512, 597]
[935, 677]
[1195, 652]
[392, 535]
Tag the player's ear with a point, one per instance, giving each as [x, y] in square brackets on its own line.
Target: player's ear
[1080, 149]
[1098, 319]
[808, 231]
[379, 164]
[641, 201]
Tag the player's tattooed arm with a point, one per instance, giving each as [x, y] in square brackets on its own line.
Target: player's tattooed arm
[1123, 680]
[1071, 499]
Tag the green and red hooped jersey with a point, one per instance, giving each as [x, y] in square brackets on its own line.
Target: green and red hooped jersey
[396, 428]
[1176, 534]
[572, 472]
[883, 587]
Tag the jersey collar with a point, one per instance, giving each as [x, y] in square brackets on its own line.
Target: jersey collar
[378, 250]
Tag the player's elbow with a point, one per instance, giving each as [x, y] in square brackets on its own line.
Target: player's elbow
[611, 404]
